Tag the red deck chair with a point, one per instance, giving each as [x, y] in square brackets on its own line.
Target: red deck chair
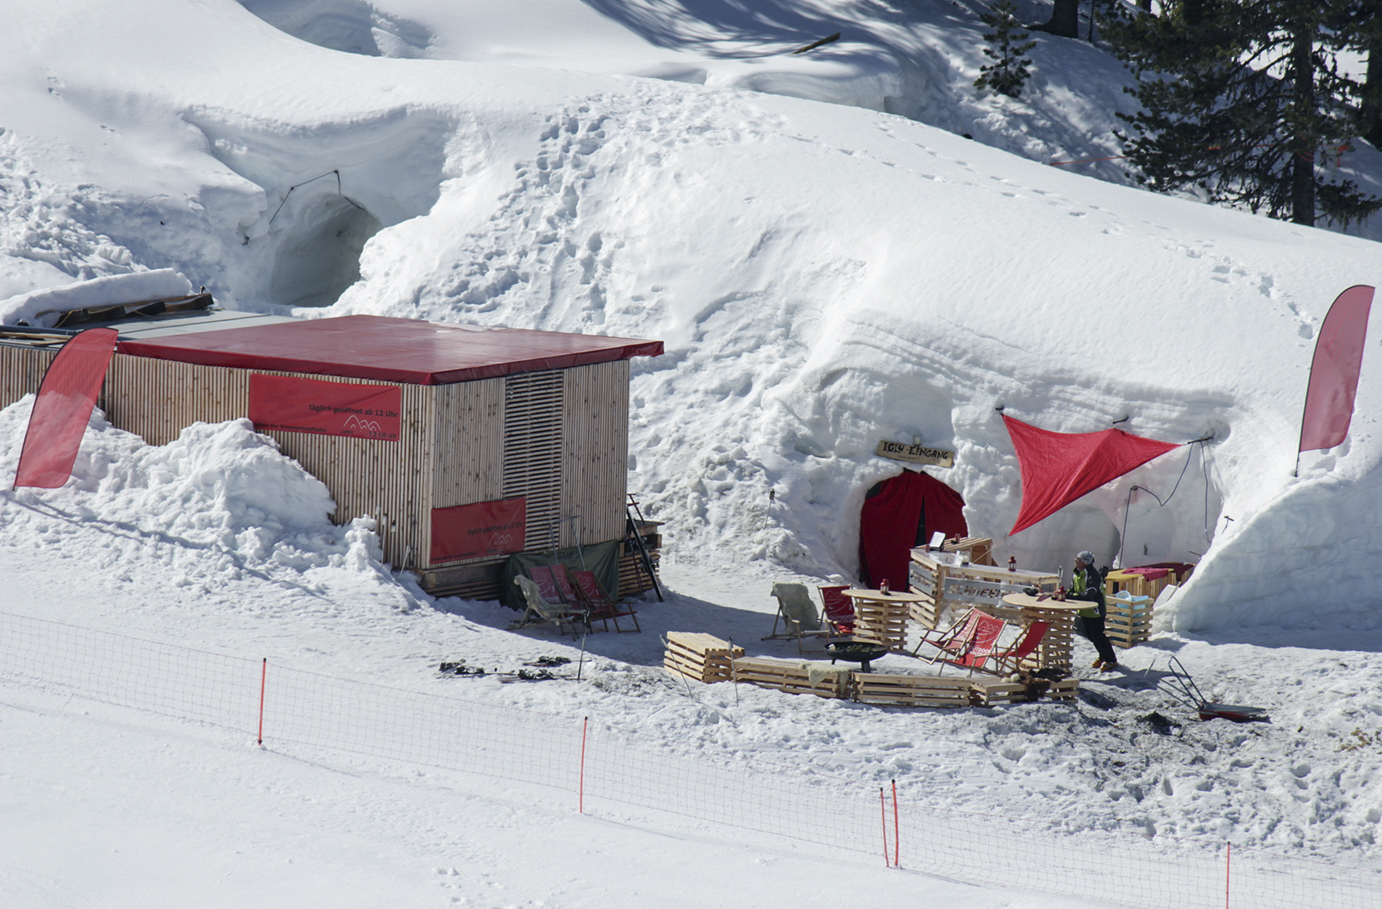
[839, 609]
[601, 606]
[955, 639]
[546, 584]
[1007, 662]
[981, 648]
[564, 585]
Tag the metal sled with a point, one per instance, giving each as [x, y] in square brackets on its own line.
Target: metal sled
[1182, 687]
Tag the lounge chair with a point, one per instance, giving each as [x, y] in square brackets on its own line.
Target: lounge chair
[955, 639]
[797, 613]
[839, 609]
[1009, 662]
[599, 603]
[540, 611]
[547, 584]
[975, 654]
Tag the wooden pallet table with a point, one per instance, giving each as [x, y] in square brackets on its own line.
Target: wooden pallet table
[886, 690]
[1128, 620]
[949, 584]
[882, 617]
[702, 657]
[820, 679]
[1055, 651]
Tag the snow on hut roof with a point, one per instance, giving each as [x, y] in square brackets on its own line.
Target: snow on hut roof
[410, 351]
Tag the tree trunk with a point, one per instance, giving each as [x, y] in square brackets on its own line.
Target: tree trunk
[1372, 95]
[1305, 142]
[1065, 20]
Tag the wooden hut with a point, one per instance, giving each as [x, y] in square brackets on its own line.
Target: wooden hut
[466, 444]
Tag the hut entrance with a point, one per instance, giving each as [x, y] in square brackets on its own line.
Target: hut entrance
[898, 514]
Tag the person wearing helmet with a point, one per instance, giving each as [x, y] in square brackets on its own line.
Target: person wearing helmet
[1088, 584]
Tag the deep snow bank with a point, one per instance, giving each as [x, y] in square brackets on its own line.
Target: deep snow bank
[823, 276]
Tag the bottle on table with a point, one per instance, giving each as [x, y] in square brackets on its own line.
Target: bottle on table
[1012, 563]
[883, 587]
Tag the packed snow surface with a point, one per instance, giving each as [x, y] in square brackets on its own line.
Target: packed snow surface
[829, 261]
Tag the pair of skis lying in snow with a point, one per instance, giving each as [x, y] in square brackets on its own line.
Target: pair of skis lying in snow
[541, 671]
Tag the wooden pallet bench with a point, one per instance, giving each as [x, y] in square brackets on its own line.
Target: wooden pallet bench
[702, 657]
[887, 690]
[990, 692]
[791, 677]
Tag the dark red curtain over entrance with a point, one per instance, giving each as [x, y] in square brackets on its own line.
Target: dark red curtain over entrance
[1059, 467]
[906, 509]
[63, 408]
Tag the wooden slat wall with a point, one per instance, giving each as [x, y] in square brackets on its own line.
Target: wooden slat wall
[534, 418]
[559, 437]
[596, 451]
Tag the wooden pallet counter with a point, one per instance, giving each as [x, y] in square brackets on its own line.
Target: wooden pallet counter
[702, 657]
[948, 582]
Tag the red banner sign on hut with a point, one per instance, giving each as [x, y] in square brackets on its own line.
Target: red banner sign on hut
[483, 529]
[290, 404]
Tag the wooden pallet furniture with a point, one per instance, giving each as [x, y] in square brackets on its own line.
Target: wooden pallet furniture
[882, 617]
[979, 549]
[791, 677]
[1138, 584]
[1128, 621]
[702, 657]
[888, 690]
[946, 584]
[1055, 651]
[990, 693]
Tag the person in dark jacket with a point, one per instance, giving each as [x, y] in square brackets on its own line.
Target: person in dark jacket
[1088, 584]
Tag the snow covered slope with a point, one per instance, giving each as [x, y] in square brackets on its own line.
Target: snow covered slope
[824, 276]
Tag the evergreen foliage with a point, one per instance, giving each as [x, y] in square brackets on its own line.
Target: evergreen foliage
[1244, 100]
[1008, 44]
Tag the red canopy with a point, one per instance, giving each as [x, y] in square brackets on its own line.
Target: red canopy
[1059, 467]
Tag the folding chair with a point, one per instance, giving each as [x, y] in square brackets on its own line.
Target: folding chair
[955, 639]
[1008, 662]
[839, 609]
[600, 605]
[565, 588]
[980, 648]
[544, 612]
[547, 584]
[797, 614]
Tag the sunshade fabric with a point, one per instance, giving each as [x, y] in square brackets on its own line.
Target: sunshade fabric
[1059, 467]
[63, 408]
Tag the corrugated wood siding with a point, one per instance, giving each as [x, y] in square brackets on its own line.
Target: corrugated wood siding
[596, 450]
[534, 418]
[21, 371]
[468, 456]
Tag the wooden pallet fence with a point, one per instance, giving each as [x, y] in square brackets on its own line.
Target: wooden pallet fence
[791, 677]
[886, 690]
[702, 657]
[1129, 619]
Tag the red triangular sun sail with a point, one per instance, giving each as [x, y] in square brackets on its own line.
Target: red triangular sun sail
[1059, 467]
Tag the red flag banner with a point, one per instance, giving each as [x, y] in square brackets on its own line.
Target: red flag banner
[482, 529]
[1334, 370]
[1059, 467]
[290, 404]
[63, 408]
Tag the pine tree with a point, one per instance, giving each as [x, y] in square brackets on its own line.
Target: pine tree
[1244, 100]
[1008, 44]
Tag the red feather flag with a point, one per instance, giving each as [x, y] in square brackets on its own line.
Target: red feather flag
[1334, 370]
[1059, 467]
[63, 408]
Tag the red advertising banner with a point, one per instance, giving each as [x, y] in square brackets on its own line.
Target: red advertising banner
[1334, 370]
[290, 404]
[482, 529]
[63, 408]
